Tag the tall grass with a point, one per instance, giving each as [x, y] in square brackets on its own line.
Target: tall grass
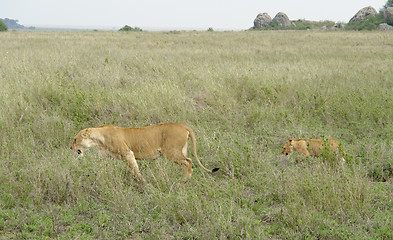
[243, 93]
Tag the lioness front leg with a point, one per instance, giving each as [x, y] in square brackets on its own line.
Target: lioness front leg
[302, 153]
[130, 157]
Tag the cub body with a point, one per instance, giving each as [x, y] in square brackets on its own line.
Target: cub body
[310, 147]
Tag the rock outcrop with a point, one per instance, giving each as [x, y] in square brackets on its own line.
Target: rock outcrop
[262, 20]
[282, 20]
[385, 27]
[363, 13]
[388, 14]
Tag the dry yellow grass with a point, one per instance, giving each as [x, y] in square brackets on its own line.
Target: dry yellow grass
[243, 93]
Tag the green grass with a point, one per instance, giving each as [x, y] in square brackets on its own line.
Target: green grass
[243, 93]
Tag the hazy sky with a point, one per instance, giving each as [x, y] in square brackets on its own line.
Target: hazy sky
[174, 14]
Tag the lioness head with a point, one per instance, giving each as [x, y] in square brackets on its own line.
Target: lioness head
[82, 141]
[287, 148]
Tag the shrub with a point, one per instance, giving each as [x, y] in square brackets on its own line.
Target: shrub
[3, 27]
[127, 28]
[389, 3]
[369, 23]
[301, 24]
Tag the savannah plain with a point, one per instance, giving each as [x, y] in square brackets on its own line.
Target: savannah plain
[243, 93]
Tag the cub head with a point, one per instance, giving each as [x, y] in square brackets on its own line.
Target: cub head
[288, 147]
[82, 142]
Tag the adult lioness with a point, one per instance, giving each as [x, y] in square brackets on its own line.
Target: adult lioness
[170, 139]
[310, 147]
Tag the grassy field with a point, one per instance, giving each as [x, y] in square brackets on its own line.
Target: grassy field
[243, 93]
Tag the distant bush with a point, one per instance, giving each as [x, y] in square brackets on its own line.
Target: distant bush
[301, 24]
[3, 27]
[127, 28]
[305, 25]
[369, 23]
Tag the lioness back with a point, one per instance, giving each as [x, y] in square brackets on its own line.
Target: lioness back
[169, 139]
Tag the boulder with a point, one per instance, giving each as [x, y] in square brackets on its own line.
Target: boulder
[334, 27]
[388, 14]
[262, 20]
[363, 13]
[385, 27]
[282, 20]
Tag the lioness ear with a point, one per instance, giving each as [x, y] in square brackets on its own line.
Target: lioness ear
[85, 133]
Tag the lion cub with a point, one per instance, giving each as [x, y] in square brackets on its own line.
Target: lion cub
[310, 147]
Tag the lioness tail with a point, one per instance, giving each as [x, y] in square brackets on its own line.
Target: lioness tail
[194, 152]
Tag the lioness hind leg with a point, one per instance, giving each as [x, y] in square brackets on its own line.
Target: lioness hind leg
[186, 164]
[178, 157]
[134, 167]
